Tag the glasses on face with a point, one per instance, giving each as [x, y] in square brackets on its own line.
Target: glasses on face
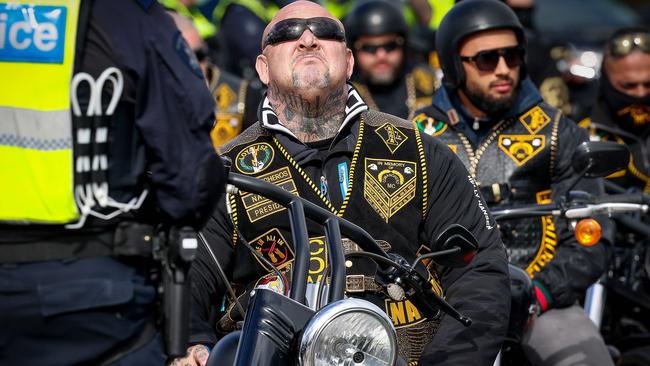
[373, 48]
[626, 43]
[489, 59]
[292, 28]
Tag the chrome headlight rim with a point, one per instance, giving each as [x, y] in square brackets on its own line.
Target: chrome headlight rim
[329, 313]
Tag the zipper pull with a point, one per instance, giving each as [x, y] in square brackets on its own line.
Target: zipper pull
[476, 125]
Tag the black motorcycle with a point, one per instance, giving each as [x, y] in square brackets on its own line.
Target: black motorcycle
[590, 160]
[283, 330]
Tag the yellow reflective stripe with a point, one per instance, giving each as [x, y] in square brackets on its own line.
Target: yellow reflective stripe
[42, 86]
[39, 188]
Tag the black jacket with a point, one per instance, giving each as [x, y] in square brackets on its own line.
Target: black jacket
[525, 157]
[480, 290]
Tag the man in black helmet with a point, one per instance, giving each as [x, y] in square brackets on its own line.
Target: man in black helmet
[377, 34]
[518, 149]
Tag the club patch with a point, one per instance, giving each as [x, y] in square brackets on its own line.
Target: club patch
[255, 158]
[227, 127]
[274, 247]
[224, 96]
[258, 207]
[453, 148]
[391, 136]
[389, 185]
[429, 125]
[521, 148]
[534, 120]
[403, 313]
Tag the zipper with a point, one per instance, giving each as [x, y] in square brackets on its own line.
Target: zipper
[475, 155]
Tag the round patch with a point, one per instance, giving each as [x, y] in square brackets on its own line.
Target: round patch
[255, 158]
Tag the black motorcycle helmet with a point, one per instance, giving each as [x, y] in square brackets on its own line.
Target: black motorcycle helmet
[373, 18]
[466, 18]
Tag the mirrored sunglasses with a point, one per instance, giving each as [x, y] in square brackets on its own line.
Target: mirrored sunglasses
[292, 28]
[489, 59]
[626, 43]
[373, 48]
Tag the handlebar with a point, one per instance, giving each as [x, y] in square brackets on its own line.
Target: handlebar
[299, 209]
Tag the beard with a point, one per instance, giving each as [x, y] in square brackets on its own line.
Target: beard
[489, 104]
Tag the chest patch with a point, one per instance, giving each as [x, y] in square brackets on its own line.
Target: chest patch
[225, 96]
[274, 247]
[521, 148]
[389, 185]
[534, 120]
[317, 259]
[255, 158]
[258, 207]
[391, 136]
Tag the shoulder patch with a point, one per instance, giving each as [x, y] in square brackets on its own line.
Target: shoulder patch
[391, 136]
[429, 125]
[255, 158]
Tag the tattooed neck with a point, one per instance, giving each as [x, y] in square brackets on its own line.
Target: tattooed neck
[310, 119]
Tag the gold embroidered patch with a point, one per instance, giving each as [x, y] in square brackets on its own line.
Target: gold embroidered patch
[534, 120]
[548, 244]
[391, 136]
[389, 185]
[258, 207]
[403, 313]
[640, 114]
[317, 259]
[227, 127]
[556, 93]
[453, 148]
[224, 96]
[274, 247]
[521, 148]
[255, 158]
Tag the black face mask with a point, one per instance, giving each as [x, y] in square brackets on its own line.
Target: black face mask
[628, 112]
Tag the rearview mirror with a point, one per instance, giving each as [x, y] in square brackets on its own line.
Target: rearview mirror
[600, 159]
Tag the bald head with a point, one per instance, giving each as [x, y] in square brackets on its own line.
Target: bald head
[299, 9]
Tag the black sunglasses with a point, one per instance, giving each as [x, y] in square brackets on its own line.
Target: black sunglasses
[373, 48]
[489, 59]
[626, 43]
[292, 28]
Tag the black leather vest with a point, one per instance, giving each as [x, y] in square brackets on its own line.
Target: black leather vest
[386, 196]
[513, 165]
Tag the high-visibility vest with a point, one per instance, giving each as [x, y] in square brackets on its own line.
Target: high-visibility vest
[37, 45]
[203, 25]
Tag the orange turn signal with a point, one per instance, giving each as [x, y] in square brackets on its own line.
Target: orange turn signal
[588, 232]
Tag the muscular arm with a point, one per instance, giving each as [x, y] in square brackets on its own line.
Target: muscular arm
[480, 290]
[574, 267]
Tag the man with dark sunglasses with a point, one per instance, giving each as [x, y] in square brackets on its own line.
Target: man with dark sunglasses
[518, 149]
[387, 80]
[316, 137]
[622, 111]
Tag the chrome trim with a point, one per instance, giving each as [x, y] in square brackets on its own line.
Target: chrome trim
[327, 314]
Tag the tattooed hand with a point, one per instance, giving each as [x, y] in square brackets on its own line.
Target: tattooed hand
[197, 355]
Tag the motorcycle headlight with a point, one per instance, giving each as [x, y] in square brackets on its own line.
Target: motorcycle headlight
[349, 332]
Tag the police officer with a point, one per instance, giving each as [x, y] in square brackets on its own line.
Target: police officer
[235, 97]
[104, 133]
[622, 111]
[316, 138]
[387, 81]
[518, 149]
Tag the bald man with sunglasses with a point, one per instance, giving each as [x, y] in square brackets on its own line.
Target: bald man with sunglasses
[316, 137]
[519, 150]
[622, 111]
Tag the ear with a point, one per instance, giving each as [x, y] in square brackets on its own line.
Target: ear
[350, 62]
[262, 67]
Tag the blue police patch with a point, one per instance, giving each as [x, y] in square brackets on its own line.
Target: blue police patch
[32, 33]
[187, 55]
